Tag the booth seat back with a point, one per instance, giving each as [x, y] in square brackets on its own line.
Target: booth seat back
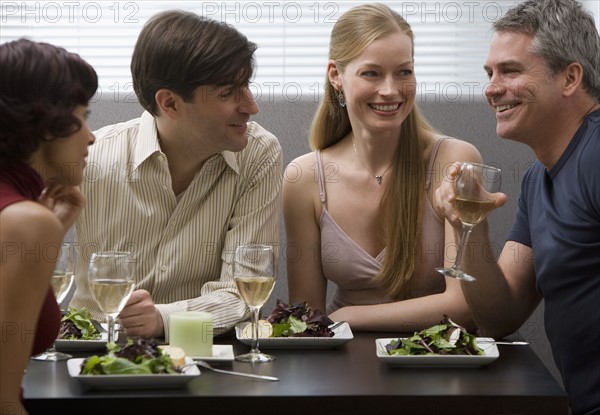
[470, 120]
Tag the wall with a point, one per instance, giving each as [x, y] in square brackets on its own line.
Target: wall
[468, 119]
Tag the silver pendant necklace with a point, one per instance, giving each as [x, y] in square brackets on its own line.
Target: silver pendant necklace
[378, 177]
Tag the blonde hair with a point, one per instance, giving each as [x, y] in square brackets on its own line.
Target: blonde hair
[354, 31]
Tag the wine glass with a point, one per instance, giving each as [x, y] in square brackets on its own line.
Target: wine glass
[254, 274]
[474, 200]
[61, 283]
[110, 278]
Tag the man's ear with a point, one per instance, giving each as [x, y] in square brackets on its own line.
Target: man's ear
[572, 78]
[168, 103]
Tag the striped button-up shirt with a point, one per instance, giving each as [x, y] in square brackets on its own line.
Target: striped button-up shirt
[183, 245]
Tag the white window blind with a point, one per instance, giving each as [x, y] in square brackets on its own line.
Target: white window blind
[452, 39]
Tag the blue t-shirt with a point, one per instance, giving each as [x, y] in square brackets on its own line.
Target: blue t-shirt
[558, 216]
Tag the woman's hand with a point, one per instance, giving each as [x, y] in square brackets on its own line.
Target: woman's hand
[65, 201]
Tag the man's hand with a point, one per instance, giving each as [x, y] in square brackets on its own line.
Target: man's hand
[140, 317]
[445, 196]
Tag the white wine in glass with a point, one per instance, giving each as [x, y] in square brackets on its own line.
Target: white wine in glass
[110, 278]
[61, 283]
[474, 188]
[254, 274]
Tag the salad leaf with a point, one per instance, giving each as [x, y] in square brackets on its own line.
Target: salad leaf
[289, 327]
[139, 356]
[446, 338]
[136, 350]
[78, 325]
[122, 366]
[299, 320]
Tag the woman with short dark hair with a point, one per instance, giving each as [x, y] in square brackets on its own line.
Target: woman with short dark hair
[44, 95]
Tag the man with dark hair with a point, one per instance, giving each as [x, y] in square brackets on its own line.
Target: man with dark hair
[544, 87]
[187, 182]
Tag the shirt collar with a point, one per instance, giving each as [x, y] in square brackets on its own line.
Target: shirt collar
[147, 140]
[149, 144]
[231, 161]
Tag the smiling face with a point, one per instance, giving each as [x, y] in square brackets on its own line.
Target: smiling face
[521, 91]
[379, 85]
[217, 117]
[61, 160]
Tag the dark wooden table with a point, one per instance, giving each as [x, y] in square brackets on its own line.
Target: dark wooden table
[347, 380]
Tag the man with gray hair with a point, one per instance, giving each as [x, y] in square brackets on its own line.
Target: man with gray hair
[543, 67]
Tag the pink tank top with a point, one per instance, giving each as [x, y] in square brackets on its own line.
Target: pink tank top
[352, 269]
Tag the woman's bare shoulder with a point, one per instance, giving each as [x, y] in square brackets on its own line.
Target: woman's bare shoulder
[307, 159]
[29, 221]
[301, 171]
[457, 150]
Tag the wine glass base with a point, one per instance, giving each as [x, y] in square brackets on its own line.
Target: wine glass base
[255, 358]
[456, 273]
[51, 356]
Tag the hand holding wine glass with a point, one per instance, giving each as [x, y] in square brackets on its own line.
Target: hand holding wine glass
[474, 188]
[110, 278]
[61, 283]
[254, 274]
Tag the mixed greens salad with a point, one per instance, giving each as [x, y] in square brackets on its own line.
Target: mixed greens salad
[446, 338]
[78, 325]
[299, 320]
[137, 357]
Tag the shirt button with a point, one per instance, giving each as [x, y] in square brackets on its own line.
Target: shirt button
[163, 268]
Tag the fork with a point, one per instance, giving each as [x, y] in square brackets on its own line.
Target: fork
[336, 325]
[229, 372]
[510, 343]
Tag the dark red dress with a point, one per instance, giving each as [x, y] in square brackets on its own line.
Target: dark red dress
[18, 183]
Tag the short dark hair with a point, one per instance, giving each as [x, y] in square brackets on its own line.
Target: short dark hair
[40, 86]
[180, 51]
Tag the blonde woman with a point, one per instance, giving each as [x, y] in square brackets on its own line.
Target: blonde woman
[361, 214]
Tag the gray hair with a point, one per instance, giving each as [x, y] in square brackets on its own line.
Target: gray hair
[563, 33]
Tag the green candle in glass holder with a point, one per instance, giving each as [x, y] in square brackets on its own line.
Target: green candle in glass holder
[193, 332]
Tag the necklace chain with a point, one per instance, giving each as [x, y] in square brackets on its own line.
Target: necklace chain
[378, 177]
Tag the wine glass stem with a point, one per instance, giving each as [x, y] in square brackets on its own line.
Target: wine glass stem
[111, 327]
[466, 231]
[255, 311]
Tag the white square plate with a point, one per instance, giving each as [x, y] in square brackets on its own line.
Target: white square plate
[490, 350]
[132, 381]
[64, 345]
[341, 335]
